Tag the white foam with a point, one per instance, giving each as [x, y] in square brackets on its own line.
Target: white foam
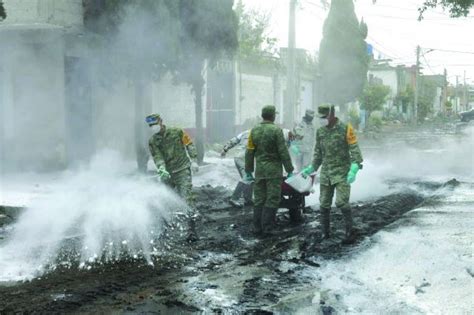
[421, 268]
[100, 209]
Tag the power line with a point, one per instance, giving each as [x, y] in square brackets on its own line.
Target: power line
[453, 51]
[443, 21]
[454, 65]
[428, 64]
[382, 48]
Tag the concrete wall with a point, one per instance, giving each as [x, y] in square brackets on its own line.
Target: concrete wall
[255, 92]
[32, 87]
[175, 103]
[32, 98]
[114, 118]
[63, 13]
[116, 112]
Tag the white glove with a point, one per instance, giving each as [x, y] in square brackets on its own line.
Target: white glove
[163, 173]
[194, 167]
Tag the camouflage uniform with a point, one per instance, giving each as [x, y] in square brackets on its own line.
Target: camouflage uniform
[336, 148]
[171, 148]
[266, 145]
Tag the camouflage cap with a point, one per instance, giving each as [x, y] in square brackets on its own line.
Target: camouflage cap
[152, 119]
[269, 110]
[324, 110]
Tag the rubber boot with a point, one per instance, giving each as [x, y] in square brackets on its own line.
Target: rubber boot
[268, 219]
[257, 220]
[350, 235]
[192, 234]
[326, 222]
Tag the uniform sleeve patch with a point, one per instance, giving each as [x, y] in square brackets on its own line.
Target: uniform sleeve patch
[186, 139]
[351, 137]
[250, 144]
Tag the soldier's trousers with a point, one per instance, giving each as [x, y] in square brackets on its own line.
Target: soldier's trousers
[181, 182]
[343, 193]
[267, 192]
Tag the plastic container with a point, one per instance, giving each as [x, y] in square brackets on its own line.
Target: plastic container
[300, 183]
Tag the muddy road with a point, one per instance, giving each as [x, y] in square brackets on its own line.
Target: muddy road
[226, 270]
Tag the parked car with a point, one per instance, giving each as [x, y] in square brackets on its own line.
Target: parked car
[467, 115]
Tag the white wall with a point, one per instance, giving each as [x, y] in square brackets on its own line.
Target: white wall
[114, 118]
[32, 98]
[64, 13]
[389, 78]
[175, 103]
[256, 92]
[259, 90]
[32, 90]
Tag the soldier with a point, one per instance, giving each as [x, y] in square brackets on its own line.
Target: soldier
[266, 144]
[171, 150]
[339, 156]
[245, 188]
[305, 136]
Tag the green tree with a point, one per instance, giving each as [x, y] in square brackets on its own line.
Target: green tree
[209, 32]
[253, 34]
[343, 57]
[3, 13]
[373, 97]
[456, 8]
[426, 98]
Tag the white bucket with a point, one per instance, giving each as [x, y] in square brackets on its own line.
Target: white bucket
[300, 183]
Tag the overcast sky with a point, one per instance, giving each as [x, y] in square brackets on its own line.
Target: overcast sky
[394, 31]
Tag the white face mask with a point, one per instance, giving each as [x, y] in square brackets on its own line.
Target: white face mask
[323, 122]
[156, 128]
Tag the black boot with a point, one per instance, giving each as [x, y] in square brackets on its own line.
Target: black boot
[350, 235]
[325, 222]
[268, 219]
[296, 216]
[192, 234]
[248, 191]
[257, 220]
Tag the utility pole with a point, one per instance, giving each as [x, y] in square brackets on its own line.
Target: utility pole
[445, 91]
[289, 106]
[458, 104]
[417, 83]
[464, 94]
